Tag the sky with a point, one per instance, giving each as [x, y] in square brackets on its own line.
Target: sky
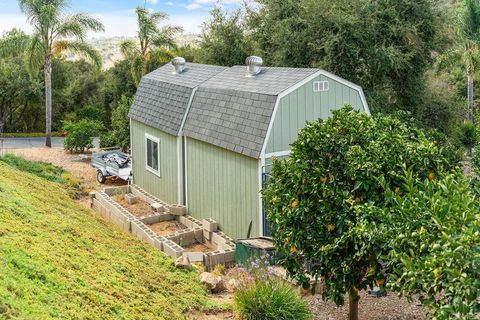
[118, 15]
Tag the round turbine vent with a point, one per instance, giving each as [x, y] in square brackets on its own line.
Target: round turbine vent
[178, 65]
[254, 64]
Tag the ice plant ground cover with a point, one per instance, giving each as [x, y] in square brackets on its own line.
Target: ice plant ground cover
[57, 260]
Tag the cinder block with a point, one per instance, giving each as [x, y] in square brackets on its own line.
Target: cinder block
[214, 258]
[130, 198]
[229, 255]
[158, 242]
[194, 256]
[210, 225]
[116, 190]
[172, 249]
[186, 237]
[198, 234]
[158, 207]
[178, 210]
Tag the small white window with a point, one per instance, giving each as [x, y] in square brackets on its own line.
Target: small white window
[152, 154]
[320, 86]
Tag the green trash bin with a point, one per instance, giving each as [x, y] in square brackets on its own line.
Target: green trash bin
[249, 249]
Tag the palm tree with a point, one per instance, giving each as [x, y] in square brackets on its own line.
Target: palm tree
[467, 49]
[55, 32]
[155, 43]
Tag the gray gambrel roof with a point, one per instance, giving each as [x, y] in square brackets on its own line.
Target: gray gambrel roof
[233, 111]
[228, 109]
[163, 97]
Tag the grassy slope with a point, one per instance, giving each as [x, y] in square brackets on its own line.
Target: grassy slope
[57, 260]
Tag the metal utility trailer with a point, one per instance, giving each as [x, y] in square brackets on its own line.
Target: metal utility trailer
[112, 163]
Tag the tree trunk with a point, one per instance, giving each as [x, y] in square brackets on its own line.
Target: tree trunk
[353, 298]
[470, 97]
[48, 100]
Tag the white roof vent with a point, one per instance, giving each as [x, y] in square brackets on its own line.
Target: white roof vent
[178, 65]
[254, 64]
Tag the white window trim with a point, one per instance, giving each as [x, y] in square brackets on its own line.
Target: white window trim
[157, 140]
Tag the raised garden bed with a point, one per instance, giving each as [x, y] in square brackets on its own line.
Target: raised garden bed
[165, 226]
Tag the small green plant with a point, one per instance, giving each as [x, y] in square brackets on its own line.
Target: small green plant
[270, 299]
[467, 135]
[80, 134]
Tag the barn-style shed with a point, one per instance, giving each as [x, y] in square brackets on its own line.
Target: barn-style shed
[236, 121]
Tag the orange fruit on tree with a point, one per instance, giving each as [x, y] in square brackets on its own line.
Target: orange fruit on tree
[431, 176]
[324, 179]
[294, 204]
[294, 249]
[331, 227]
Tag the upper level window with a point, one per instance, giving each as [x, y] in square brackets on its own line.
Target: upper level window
[319, 86]
[152, 147]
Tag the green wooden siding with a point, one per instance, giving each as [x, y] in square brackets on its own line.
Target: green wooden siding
[164, 187]
[224, 186]
[304, 105]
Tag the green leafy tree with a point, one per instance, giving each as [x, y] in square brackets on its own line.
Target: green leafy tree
[223, 40]
[54, 33]
[466, 50]
[119, 135]
[434, 253]
[20, 94]
[80, 134]
[155, 43]
[312, 197]
[384, 46]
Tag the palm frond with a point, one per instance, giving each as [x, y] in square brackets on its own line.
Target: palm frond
[35, 54]
[77, 25]
[128, 49]
[84, 50]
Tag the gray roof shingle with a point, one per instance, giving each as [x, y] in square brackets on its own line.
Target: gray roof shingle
[162, 97]
[234, 112]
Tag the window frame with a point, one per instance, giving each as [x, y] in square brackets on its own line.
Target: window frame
[157, 141]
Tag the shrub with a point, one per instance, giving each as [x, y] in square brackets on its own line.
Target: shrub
[467, 135]
[80, 134]
[437, 255]
[270, 299]
[119, 136]
[312, 197]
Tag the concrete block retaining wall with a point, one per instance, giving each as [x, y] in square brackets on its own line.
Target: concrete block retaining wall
[197, 231]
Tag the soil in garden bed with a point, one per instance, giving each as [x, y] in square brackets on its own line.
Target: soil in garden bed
[166, 228]
[139, 209]
[197, 247]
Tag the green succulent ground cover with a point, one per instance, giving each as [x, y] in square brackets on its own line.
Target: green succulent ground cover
[57, 260]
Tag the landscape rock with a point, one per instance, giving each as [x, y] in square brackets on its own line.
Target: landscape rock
[233, 285]
[214, 284]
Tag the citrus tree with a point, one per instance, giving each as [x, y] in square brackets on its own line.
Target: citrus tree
[436, 255]
[313, 197]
